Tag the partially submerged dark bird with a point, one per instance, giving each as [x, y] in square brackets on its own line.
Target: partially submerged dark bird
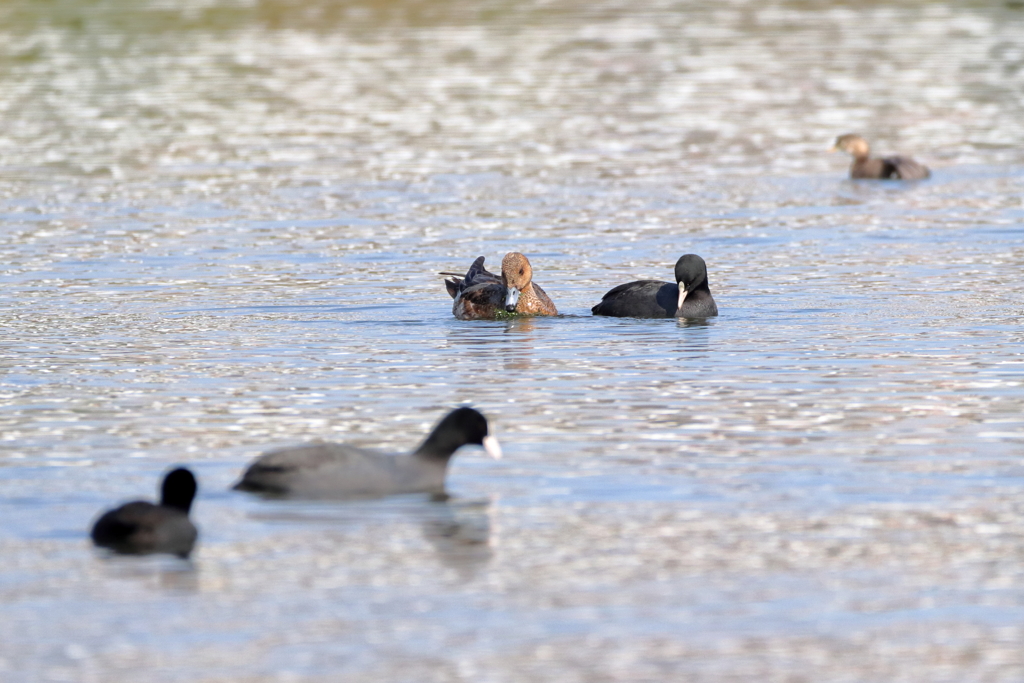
[481, 294]
[885, 168]
[332, 470]
[688, 297]
[140, 528]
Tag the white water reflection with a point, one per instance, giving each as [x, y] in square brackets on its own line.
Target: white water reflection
[221, 228]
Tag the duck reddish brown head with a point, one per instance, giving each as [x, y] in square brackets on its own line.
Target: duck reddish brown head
[517, 275]
[854, 145]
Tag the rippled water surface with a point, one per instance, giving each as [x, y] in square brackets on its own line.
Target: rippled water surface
[221, 224]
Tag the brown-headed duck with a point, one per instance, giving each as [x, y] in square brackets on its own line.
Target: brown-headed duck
[885, 168]
[484, 295]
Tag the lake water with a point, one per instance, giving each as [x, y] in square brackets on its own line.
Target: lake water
[221, 223]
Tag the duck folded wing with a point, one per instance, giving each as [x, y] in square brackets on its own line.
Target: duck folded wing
[906, 168]
[481, 301]
[476, 275]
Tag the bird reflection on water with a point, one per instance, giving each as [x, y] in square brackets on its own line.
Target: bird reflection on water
[509, 343]
[156, 571]
[462, 533]
[694, 338]
[459, 530]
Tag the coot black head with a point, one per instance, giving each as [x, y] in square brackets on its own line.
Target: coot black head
[691, 274]
[690, 271]
[458, 428]
[179, 488]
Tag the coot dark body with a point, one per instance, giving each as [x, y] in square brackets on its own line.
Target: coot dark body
[689, 297]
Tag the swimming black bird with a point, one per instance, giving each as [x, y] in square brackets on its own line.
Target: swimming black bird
[688, 297]
[140, 527]
[326, 470]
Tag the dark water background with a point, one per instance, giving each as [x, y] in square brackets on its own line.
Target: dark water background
[220, 228]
